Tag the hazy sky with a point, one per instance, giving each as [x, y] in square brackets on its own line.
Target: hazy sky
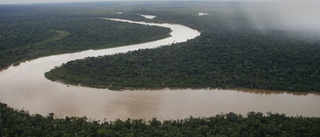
[43, 1]
[59, 1]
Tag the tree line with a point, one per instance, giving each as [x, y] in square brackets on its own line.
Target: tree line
[254, 124]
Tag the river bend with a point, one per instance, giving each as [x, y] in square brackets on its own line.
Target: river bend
[25, 87]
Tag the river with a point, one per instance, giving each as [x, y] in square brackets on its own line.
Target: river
[25, 87]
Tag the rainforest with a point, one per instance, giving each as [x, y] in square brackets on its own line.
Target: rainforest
[230, 53]
[151, 68]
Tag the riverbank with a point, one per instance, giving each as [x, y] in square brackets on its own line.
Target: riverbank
[28, 35]
[17, 123]
[32, 91]
[214, 60]
[25, 86]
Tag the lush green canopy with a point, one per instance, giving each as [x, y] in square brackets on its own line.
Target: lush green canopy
[30, 32]
[226, 55]
[21, 123]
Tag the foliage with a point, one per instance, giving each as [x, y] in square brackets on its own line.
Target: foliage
[224, 56]
[21, 123]
[26, 33]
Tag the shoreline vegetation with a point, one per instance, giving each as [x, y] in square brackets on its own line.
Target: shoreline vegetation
[21, 123]
[29, 35]
[226, 56]
[213, 60]
[274, 60]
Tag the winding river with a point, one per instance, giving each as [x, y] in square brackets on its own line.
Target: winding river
[25, 87]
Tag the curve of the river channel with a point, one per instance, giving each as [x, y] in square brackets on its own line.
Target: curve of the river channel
[25, 87]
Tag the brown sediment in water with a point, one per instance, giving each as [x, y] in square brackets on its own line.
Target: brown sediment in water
[25, 86]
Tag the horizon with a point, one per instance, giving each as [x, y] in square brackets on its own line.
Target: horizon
[12, 2]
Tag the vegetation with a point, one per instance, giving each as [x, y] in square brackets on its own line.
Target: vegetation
[229, 53]
[28, 32]
[226, 55]
[21, 123]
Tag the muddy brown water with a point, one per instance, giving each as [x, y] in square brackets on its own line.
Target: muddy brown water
[25, 87]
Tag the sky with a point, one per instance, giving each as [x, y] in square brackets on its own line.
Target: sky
[62, 1]
[43, 1]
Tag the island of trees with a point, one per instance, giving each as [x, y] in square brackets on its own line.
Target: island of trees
[226, 55]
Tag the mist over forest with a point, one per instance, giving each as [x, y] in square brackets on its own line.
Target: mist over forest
[283, 15]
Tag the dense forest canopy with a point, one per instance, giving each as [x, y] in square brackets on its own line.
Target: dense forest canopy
[230, 53]
[29, 32]
[254, 124]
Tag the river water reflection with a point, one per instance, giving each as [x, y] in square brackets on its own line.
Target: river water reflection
[26, 87]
